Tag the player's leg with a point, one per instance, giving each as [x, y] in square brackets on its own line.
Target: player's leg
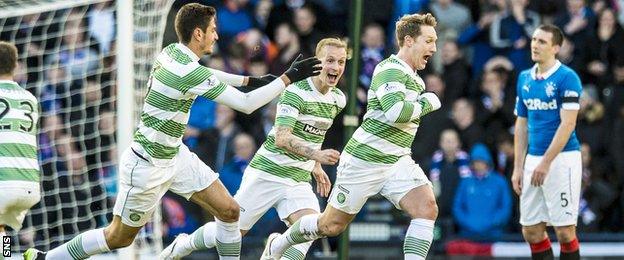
[568, 242]
[538, 240]
[310, 227]
[255, 197]
[300, 201]
[409, 190]
[355, 183]
[562, 189]
[298, 251]
[196, 182]
[534, 213]
[141, 187]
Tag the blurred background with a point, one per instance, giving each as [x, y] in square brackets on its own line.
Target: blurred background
[69, 61]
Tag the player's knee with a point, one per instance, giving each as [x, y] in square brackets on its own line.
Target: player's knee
[533, 235]
[230, 214]
[431, 209]
[565, 235]
[114, 240]
[331, 228]
[426, 209]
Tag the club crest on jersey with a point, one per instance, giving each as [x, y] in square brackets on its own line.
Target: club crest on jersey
[550, 89]
[313, 130]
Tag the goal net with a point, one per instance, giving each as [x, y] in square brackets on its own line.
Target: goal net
[68, 60]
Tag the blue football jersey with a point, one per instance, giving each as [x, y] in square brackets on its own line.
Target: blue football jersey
[540, 99]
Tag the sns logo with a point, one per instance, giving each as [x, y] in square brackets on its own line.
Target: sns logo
[537, 104]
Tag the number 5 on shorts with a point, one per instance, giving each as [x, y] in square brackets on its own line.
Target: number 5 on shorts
[564, 200]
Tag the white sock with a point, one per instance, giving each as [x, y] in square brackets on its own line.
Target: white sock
[204, 237]
[297, 252]
[82, 246]
[304, 230]
[418, 239]
[228, 240]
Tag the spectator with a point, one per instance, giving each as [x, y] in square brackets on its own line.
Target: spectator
[262, 12]
[373, 51]
[281, 13]
[463, 115]
[232, 173]
[590, 125]
[449, 165]
[482, 206]
[456, 72]
[453, 18]
[215, 146]
[606, 43]
[512, 30]
[78, 53]
[305, 21]
[496, 104]
[233, 18]
[288, 46]
[577, 22]
[477, 36]
[428, 136]
[102, 25]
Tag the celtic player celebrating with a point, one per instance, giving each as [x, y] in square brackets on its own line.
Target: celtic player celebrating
[279, 174]
[157, 160]
[377, 158]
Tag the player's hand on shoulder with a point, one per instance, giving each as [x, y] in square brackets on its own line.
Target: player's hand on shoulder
[327, 156]
[301, 69]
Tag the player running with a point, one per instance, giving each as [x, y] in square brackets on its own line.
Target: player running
[157, 160]
[377, 158]
[279, 174]
[19, 168]
[548, 177]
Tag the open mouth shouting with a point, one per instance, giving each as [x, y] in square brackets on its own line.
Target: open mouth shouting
[332, 77]
[426, 57]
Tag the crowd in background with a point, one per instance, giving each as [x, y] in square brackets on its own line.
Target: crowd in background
[466, 147]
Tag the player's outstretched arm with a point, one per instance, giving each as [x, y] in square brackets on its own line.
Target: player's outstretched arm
[239, 80]
[286, 140]
[249, 102]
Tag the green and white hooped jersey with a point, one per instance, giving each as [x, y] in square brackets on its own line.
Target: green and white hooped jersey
[19, 113]
[175, 81]
[310, 114]
[378, 139]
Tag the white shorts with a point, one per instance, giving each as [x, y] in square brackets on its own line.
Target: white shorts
[358, 180]
[17, 197]
[142, 185]
[259, 191]
[556, 202]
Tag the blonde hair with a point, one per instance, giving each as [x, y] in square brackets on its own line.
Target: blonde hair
[410, 25]
[336, 42]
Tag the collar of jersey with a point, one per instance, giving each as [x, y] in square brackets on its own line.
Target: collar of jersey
[8, 81]
[548, 73]
[313, 86]
[405, 65]
[187, 51]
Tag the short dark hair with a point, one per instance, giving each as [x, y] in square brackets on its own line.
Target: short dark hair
[8, 58]
[192, 16]
[557, 34]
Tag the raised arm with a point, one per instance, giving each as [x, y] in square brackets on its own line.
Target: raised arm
[213, 88]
